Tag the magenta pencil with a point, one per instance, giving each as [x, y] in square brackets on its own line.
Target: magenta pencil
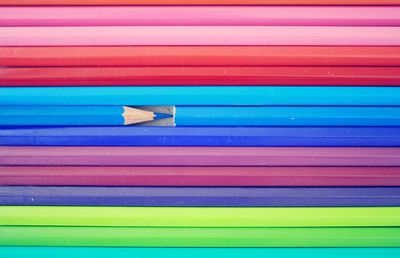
[200, 15]
[198, 156]
[199, 176]
[199, 35]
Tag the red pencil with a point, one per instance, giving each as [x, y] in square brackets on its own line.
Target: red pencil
[61, 76]
[200, 56]
[200, 176]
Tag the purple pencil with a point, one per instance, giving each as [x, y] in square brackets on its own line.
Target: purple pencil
[199, 156]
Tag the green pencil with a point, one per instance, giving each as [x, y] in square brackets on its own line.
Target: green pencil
[198, 217]
[199, 237]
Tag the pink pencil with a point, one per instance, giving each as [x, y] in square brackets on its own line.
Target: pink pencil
[198, 156]
[200, 15]
[199, 35]
[199, 176]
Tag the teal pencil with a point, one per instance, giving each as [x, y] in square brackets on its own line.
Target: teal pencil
[108, 252]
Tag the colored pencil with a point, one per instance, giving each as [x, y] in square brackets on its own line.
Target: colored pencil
[200, 2]
[269, 116]
[199, 176]
[200, 116]
[200, 56]
[199, 96]
[76, 115]
[200, 15]
[217, 75]
[200, 196]
[199, 237]
[105, 252]
[198, 156]
[198, 217]
[202, 136]
[199, 35]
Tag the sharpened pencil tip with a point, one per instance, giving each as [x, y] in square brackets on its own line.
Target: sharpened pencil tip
[161, 116]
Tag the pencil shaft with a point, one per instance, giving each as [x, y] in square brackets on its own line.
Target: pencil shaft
[199, 156]
[287, 116]
[199, 237]
[103, 252]
[236, 76]
[200, 96]
[61, 115]
[200, 15]
[201, 196]
[200, 2]
[198, 217]
[201, 136]
[199, 176]
[200, 56]
[199, 35]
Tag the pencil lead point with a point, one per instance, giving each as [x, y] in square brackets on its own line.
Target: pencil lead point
[161, 116]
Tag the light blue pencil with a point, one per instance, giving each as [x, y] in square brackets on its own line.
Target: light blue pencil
[287, 116]
[208, 95]
[75, 115]
[202, 116]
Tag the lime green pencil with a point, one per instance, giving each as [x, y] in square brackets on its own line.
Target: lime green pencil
[199, 217]
[199, 237]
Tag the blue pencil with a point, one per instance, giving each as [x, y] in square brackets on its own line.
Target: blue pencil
[202, 136]
[287, 116]
[201, 116]
[207, 95]
[107, 252]
[75, 115]
[200, 196]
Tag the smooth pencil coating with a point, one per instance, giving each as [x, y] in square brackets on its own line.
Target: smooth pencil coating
[198, 156]
[200, 56]
[199, 15]
[287, 116]
[198, 217]
[200, 35]
[201, 96]
[106, 252]
[199, 237]
[200, 2]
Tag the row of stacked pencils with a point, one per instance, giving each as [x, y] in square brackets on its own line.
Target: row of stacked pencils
[149, 128]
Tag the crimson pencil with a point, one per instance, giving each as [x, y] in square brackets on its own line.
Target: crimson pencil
[199, 176]
[200, 2]
[75, 76]
[200, 56]
[198, 156]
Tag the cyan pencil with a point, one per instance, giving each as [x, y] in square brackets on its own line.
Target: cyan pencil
[203, 95]
[106, 252]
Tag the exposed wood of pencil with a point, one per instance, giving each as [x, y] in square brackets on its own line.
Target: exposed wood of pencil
[200, 2]
[199, 156]
[199, 176]
[356, 76]
[200, 56]
[135, 116]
